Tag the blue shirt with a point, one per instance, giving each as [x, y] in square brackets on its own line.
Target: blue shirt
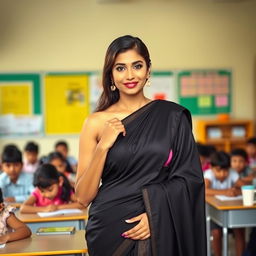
[21, 190]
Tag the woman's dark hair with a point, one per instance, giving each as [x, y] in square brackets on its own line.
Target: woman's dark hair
[58, 155]
[221, 159]
[1, 196]
[47, 175]
[119, 45]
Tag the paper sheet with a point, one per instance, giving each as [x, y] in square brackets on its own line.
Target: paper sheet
[59, 212]
[228, 198]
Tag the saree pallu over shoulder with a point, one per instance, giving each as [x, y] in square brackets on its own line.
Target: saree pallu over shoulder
[155, 169]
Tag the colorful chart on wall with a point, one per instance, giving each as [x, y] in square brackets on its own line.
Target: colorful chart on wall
[20, 104]
[66, 102]
[162, 86]
[205, 92]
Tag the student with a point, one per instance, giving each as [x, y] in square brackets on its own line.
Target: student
[16, 185]
[205, 152]
[53, 192]
[220, 180]
[62, 147]
[239, 163]
[251, 151]
[58, 160]
[8, 221]
[31, 162]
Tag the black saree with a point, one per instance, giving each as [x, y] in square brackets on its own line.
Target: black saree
[155, 168]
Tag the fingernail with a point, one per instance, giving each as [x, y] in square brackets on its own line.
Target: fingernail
[128, 221]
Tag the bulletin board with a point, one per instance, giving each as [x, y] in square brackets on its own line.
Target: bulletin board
[20, 104]
[205, 92]
[66, 102]
[162, 86]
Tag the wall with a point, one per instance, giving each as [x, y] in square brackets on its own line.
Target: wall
[73, 35]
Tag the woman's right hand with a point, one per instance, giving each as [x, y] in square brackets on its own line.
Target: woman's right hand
[111, 130]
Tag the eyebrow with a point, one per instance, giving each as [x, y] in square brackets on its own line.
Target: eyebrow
[123, 64]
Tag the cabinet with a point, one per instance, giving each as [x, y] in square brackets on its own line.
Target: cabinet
[224, 135]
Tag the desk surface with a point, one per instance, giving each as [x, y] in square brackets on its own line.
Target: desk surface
[47, 245]
[33, 217]
[227, 205]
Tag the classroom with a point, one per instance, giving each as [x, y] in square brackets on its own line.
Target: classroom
[45, 44]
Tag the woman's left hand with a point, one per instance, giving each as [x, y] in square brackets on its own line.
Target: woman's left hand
[141, 231]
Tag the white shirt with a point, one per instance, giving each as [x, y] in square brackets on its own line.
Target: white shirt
[217, 184]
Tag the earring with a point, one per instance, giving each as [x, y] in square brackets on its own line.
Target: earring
[148, 82]
[113, 87]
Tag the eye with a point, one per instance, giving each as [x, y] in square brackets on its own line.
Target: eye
[138, 66]
[120, 68]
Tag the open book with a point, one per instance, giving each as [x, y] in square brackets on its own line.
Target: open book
[44, 231]
[59, 212]
[228, 198]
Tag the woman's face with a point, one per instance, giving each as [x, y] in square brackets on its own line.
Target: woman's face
[130, 72]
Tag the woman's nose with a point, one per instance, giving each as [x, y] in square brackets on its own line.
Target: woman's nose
[130, 74]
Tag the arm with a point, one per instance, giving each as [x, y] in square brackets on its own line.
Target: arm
[92, 156]
[73, 204]
[28, 206]
[212, 192]
[21, 230]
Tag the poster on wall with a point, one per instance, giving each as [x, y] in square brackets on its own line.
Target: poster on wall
[205, 92]
[20, 104]
[66, 102]
[162, 86]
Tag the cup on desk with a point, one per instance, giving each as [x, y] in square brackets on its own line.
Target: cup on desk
[248, 193]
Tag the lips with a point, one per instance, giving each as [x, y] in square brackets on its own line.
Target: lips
[131, 85]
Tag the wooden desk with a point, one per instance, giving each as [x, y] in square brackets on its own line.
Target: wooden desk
[47, 245]
[34, 221]
[228, 214]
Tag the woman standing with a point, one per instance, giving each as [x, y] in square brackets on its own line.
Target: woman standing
[151, 200]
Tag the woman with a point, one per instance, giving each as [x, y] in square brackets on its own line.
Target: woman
[151, 200]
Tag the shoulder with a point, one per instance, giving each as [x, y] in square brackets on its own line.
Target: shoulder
[233, 174]
[26, 176]
[208, 174]
[4, 177]
[177, 111]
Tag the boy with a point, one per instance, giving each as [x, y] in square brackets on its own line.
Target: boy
[62, 147]
[31, 162]
[251, 151]
[219, 180]
[16, 185]
[239, 163]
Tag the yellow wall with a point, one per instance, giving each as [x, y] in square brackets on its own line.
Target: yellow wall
[73, 35]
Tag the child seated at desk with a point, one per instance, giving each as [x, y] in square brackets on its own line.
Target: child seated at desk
[220, 180]
[31, 162]
[251, 151]
[16, 185]
[239, 163]
[58, 160]
[11, 228]
[53, 192]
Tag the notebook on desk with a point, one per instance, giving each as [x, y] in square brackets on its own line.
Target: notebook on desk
[44, 231]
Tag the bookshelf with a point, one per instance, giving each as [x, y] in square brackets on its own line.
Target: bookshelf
[224, 134]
